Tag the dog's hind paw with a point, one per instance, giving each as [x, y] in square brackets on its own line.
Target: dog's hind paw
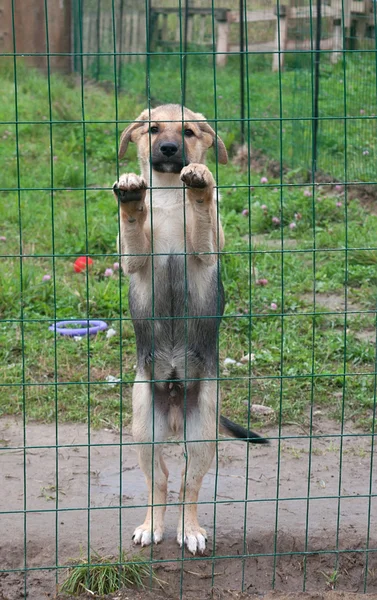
[143, 535]
[194, 538]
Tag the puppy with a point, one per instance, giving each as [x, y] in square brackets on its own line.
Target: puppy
[170, 240]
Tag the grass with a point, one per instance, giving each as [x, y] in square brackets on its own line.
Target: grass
[105, 574]
[306, 354]
[276, 108]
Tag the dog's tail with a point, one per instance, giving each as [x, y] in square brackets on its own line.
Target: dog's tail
[228, 427]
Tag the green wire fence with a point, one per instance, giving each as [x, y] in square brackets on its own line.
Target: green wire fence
[296, 105]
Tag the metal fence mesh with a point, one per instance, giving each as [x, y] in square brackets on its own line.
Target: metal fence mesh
[297, 343]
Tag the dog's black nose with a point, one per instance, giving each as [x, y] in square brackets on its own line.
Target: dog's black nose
[168, 149]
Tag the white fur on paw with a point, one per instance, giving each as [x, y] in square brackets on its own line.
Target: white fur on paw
[194, 538]
[130, 181]
[143, 535]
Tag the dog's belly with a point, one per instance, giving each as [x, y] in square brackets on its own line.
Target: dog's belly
[176, 315]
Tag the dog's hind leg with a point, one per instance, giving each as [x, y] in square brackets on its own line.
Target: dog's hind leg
[200, 425]
[149, 426]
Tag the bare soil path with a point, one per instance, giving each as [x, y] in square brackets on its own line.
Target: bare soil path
[243, 549]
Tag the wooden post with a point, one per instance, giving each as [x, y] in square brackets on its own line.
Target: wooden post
[361, 29]
[222, 37]
[190, 29]
[280, 37]
[165, 28]
[127, 36]
[30, 31]
[135, 37]
[337, 44]
[6, 38]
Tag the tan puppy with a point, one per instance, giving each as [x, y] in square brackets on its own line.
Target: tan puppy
[170, 239]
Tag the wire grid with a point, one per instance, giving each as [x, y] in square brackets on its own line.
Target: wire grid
[278, 438]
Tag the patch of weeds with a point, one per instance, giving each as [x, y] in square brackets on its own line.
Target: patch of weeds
[331, 578]
[293, 451]
[106, 574]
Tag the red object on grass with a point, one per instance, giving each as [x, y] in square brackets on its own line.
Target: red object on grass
[81, 262]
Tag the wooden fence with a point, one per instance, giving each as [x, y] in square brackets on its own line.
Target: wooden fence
[105, 27]
[29, 23]
[267, 32]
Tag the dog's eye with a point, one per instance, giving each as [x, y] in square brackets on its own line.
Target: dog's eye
[189, 133]
[154, 129]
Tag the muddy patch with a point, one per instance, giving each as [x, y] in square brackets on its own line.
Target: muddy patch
[366, 194]
[332, 302]
[57, 492]
[257, 161]
[366, 335]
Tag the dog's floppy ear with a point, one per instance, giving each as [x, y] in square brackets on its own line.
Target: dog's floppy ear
[216, 140]
[126, 136]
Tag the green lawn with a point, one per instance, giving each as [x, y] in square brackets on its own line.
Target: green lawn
[327, 360]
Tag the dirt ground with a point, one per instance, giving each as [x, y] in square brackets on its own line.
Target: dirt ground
[217, 594]
[240, 557]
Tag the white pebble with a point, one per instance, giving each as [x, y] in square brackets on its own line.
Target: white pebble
[113, 381]
[248, 358]
[260, 409]
[230, 361]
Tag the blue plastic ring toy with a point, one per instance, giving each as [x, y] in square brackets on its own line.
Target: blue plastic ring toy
[91, 327]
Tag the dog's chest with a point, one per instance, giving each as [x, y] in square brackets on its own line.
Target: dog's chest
[168, 228]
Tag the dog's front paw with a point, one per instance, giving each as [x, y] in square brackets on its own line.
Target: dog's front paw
[197, 176]
[130, 192]
[144, 536]
[194, 538]
[130, 188]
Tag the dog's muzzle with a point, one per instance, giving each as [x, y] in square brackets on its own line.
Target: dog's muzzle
[168, 149]
[168, 158]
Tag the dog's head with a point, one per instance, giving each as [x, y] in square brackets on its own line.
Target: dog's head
[170, 137]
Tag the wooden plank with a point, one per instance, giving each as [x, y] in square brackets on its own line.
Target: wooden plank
[304, 12]
[87, 43]
[165, 27]
[346, 11]
[127, 28]
[30, 31]
[298, 12]
[253, 16]
[190, 26]
[202, 30]
[281, 37]
[260, 47]
[270, 47]
[358, 7]
[142, 36]
[6, 35]
[220, 14]
[135, 36]
[337, 41]
[326, 44]
[222, 43]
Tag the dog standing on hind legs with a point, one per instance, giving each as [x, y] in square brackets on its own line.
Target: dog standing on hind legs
[169, 242]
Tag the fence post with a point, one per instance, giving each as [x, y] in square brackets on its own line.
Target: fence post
[280, 36]
[337, 45]
[6, 26]
[222, 37]
[30, 31]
